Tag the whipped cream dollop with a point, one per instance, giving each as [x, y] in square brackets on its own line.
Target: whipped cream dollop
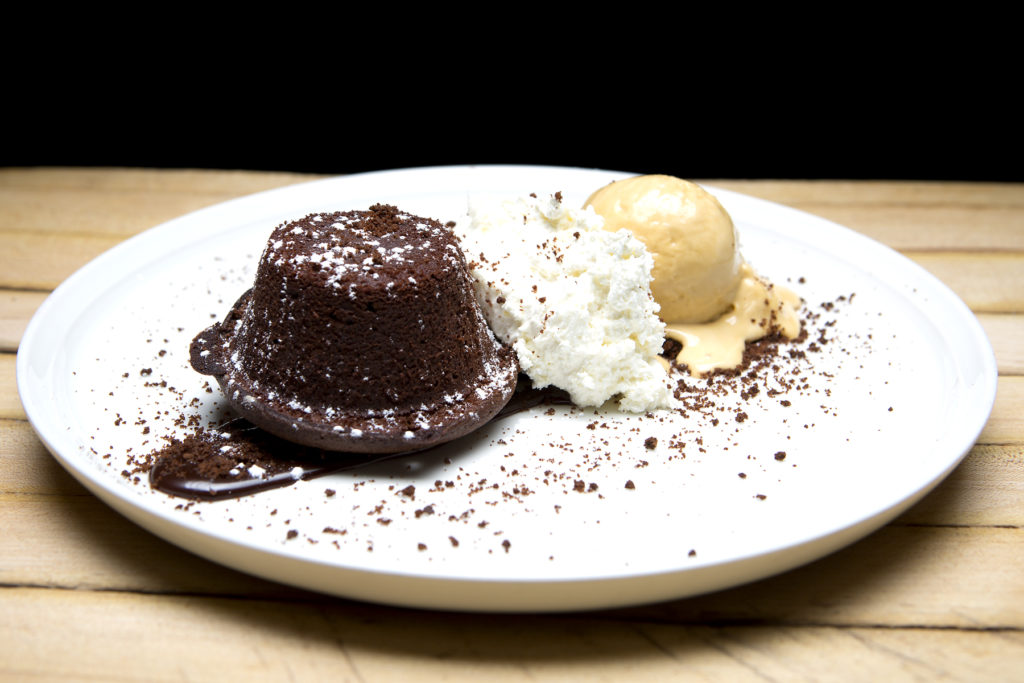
[572, 299]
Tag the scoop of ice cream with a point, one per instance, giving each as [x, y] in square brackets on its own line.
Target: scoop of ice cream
[573, 300]
[696, 260]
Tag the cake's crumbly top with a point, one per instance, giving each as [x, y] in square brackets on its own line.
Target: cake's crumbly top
[382, 243]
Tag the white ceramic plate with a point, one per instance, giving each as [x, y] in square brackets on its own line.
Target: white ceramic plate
[888, 408]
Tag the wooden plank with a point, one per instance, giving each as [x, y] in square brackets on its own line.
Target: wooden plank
[107, 202]
[95, 214]
[193, 181]
[988, 283]
[10, 404]
[908, 216]
[26, 467]
[822, 192]
[102, 637]
[985, 490]
[121, 209]
[76, 541]
[147, 637]
[118, 203]
[1006, 425]
[940, 228]
[1006, 334]
[949, 577]
[16, 309]
[42, 261]
[856, 654]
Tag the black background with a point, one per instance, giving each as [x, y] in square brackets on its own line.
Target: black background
[734, 149]
[748, 144]
[776, 124]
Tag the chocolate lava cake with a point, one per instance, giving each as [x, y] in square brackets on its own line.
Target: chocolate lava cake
[361, 333]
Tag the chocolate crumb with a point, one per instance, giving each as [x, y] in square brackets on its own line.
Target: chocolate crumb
[650, 443]
[630, 484]
[292, 533]
[780, 455]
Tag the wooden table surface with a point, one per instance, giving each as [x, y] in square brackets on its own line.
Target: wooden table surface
[938, 594]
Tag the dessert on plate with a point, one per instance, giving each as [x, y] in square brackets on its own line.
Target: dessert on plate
[367, 331]
[379, 332]
[573, 300]
[587, 297]
[361, 333]
[711, 300]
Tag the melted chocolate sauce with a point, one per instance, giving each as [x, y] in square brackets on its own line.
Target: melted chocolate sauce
[238, 459]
